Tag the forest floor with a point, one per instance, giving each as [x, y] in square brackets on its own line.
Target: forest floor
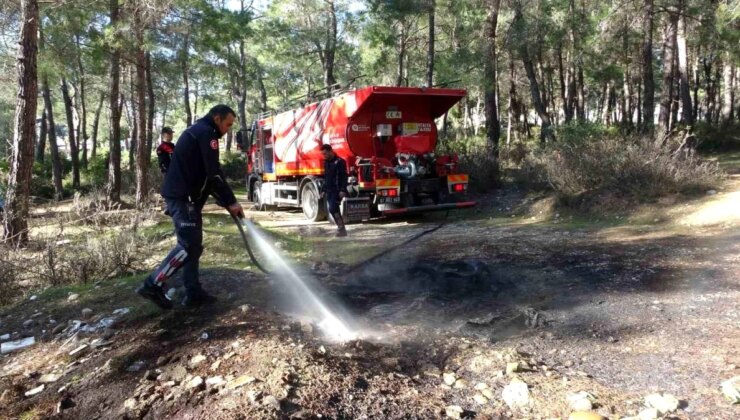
[508, 310]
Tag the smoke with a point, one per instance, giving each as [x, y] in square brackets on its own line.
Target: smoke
[306, 298]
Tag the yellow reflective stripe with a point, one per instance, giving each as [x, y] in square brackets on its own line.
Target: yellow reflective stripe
[393, 183]
[457, 178]
[306, 171]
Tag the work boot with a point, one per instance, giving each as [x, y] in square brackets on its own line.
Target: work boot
[341, 230]
[155, 294]
[199, 298]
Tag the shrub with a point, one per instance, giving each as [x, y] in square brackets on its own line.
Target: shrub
[482, 169]
[234, 166]
[722, 137]
[634, 168]
[97, 170]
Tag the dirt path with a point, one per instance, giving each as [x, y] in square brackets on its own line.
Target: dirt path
[617, 310]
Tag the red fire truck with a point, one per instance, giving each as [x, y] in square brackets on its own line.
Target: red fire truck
[387, 136]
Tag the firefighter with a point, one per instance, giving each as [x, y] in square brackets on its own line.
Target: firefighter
[334, 188]
[194, 174]
[165, 149]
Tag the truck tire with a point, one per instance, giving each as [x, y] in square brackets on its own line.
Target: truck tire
[257, 194]
[313, 207]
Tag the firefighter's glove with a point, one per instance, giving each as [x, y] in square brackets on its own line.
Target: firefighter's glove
[236, 210]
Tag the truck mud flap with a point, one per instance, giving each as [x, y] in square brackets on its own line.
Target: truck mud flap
[434, 207]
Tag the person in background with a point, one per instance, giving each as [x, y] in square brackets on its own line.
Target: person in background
[194, 175]
[334, 188]
[165, 149]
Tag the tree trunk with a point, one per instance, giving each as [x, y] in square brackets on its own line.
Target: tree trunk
[82, 138]
[196, 93]
[430, 51]
[41, 143]
[581, 104]
[262, 89]
[114, 166]
[331, 46]
[534, 89]
[687, 115]
[73, 150]
[96, 124]
[132, 117]
[708, 104]
[727, 99]
[242, 86]
[696, 72]
[229, 139]
[56, 161]
[567, 111]
[185, 78]
[511, 115]
[627, 99]
[668, 59]
[605, 106]
[401, 55]
[648, 94]
[142, 158]
[626, 84]
[16, 209]
[150, 105]
[493, 127]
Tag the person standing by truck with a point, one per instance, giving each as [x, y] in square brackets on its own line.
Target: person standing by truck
[165, 149]
[194, 175]
[334, 188]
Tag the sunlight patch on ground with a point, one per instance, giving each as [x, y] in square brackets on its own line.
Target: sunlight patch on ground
[722, 209]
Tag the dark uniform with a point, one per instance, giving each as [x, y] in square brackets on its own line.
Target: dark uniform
[164, 155]
[193, 175]
[335, 180]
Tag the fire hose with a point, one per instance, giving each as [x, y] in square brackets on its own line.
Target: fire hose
[240, 225]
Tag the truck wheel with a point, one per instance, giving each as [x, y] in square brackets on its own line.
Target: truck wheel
[313, 207]
[257, 195]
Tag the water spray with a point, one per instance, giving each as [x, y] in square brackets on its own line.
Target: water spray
[329, 322]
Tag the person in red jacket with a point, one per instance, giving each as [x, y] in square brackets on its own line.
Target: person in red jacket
[165, 149]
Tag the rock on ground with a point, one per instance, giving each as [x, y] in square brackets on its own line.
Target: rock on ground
[516, 394]
[664, 403]
[731, 389]
[581, 401]
[454, 411]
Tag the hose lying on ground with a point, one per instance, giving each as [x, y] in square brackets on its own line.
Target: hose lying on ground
[404, 243]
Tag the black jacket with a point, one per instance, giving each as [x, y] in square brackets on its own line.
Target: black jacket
[195, 171]
[335, 175]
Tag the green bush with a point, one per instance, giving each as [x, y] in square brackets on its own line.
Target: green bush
[97, 170]
[234, 166]
[722, 137]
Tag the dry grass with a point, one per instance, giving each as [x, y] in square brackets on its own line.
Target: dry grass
[612, 168]
[89, 242]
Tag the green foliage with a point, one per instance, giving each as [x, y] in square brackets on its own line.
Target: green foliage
[234, 166]
[722, 137]
[97, 170]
